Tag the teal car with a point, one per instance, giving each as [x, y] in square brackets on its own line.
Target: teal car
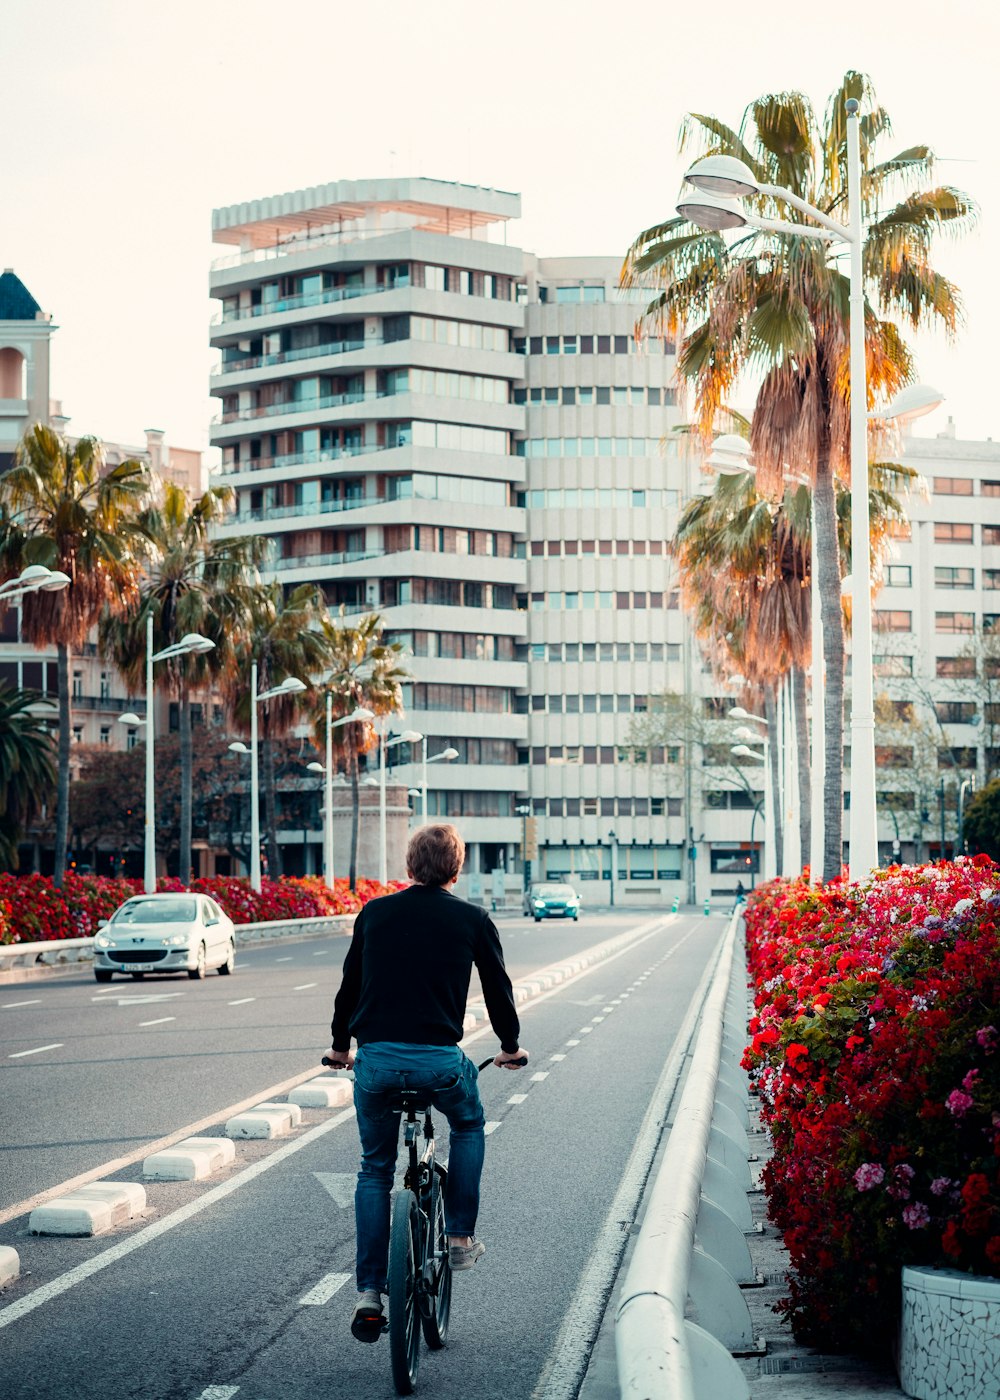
[552, 902]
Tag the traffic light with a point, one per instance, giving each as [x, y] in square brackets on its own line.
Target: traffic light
[530, 838]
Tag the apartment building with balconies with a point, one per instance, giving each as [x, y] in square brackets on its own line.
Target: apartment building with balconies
[366, 424]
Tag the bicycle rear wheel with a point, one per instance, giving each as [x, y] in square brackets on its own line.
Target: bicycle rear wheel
[404, 1262]
[435, 1319]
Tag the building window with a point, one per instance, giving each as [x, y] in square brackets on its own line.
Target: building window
[956, 711]
[892, 665]
[77, 685]
[953, 532]
[893, 756]
[954, 622]
[953, 486]
[105, 735]
[78, 734]
[898, 576]
[956, 667]
[957, 758]
[953, 577]
[991, 534]
[989, 488]
[131, 738]
[894, 620]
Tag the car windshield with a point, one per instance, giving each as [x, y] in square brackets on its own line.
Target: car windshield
[554, 891]
[156, 911]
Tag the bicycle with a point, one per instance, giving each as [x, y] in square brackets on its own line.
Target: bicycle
[419, 1268]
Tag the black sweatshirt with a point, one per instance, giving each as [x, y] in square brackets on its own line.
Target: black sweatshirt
[407, 971]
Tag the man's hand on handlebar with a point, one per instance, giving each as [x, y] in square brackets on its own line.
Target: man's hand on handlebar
[517, 1059]
[339, 1059]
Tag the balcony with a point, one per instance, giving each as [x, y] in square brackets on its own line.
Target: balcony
[315, 457]
[306, 508]
[287, 357]
[322, 561]
[330, 295]
[272, 410]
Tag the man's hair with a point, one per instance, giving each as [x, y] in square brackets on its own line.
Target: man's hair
[435, 855]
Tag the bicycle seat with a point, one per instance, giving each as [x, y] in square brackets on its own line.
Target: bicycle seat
[405, 1100]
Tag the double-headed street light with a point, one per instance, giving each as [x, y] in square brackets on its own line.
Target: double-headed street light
[445, 756]
[190, 644]
[356, 717]
[291, 685]
[36, 578]
[744, 751]
[408, 736]
[721, 181]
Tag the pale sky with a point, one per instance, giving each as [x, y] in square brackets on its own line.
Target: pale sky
[128, 121]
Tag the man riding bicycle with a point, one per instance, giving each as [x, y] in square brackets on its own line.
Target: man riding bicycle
[405, 983]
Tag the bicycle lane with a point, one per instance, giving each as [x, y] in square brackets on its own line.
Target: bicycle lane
[218, 1301]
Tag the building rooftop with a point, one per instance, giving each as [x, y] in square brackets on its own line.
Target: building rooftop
[16, 302]
[435, 206]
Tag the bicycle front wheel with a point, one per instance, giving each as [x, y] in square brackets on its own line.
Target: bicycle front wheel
[435, 1319]
[404, 1263]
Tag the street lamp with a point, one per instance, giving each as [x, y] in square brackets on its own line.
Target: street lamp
[770, 870]
[291, 685]
[445, 756]
[965, 785]
[36, 578]
[719, 181]
[613, 842]
[192, 643]
[356, 717]
[408, 736]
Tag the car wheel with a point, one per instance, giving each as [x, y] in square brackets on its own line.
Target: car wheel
[198, 971]
[228, 966]
[137, 975]
[538, 918]
[575, 917]
[101, 974]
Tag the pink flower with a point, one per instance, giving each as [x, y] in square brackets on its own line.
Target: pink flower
[902, 1175]
[868, 1176]
[958, 1103]
[916, 1216]
[986, 1037]
[940, 1185]
[969, 1082]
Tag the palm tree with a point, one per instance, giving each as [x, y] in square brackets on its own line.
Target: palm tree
[365, 673]
[61, 506]
[27, 771]
[286, 636]
[193, 583]
[776, 305]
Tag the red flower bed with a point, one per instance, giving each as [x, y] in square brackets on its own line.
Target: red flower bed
[33, 910]
[875, 1051]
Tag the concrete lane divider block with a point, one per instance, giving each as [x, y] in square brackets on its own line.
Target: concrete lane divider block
[190, 1160]
[323, 1093]
[10, 1265]
[265, 1120]
[89, 1210]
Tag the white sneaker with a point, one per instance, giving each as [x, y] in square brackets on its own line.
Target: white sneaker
[463, 1256]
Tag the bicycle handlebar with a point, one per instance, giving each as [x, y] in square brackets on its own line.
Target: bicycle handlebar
[331, 1064]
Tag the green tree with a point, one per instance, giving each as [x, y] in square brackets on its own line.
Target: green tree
[27, 769]
[981, 824]
[366, 672]
[285, 636]
[776, 306]
[194, 582]
[61, 506]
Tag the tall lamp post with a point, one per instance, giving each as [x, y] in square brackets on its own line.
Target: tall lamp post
[291, 685]
[445, 756]
[408, 736]
[721, 181]
[187, 645]
[356, 717]
[770, 866]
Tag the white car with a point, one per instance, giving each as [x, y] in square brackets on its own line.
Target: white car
[165, 933]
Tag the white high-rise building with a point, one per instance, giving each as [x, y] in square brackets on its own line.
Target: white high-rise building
[366, 424]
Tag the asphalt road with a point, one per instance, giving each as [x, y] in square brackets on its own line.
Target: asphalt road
[204, 1296]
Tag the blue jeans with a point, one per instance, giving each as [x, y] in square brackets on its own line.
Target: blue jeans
[451, 1080]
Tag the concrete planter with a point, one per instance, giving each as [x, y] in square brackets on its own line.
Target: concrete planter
[949, 1335]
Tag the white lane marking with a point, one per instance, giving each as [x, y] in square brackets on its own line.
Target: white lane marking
[98, 1262]
[490, 1128]
[146, 1000]
[218, 1392]
[585, 1030]
[305, 986]
[340, 1186]
[322, 953]
[288, 959]
[542, 1074]
[242, 1001]
[597, 1019]
[607, 1010]
[324, 1290]
[557, 1057]
[20, 1054]
[9, 1005]
[572, 1042]
[160, 1021]
[517, 1098]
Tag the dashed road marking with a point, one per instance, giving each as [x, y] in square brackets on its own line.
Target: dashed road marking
[324, 1290]
[585, 1030]
[218, 1392]
[9, 1005]
[161, 1020]
[305, 986]
[572, 1042]
[490, 1128]
[242, 1001]
[322, 953]
[597, 1019]
[288, 959]
[557, 1057]
[20, 1054]
[517, 1098]
[542, 1074]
